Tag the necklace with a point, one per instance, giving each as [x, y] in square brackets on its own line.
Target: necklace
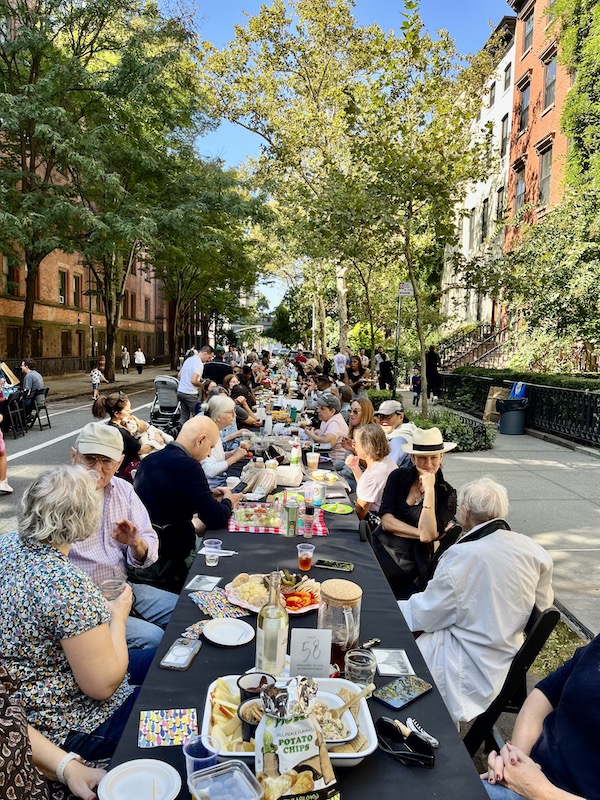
[418, 498]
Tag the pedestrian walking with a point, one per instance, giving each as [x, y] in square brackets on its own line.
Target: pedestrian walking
[139, 360]
[416, 386]
[125, 360]
[97, 378]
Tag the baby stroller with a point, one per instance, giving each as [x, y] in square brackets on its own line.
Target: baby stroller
[165, 411]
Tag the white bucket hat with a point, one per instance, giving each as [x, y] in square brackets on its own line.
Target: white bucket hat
[428, 442]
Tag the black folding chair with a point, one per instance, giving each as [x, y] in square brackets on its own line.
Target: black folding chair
[39, 408]
[514, 691]
[16, 414]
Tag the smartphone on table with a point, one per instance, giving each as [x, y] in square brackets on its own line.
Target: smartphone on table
[181, 654]
[402, 691]
[341, 566]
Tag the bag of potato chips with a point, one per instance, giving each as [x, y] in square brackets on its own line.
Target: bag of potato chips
[292, 762]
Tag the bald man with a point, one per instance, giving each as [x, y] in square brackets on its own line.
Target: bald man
[172, 485]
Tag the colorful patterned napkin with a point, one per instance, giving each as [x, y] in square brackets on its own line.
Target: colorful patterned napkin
[166, 727]
[194, 631]
[215, 604]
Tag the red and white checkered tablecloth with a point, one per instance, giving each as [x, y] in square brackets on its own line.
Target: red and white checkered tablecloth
[319, 527]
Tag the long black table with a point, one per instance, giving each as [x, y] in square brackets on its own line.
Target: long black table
[454, 775]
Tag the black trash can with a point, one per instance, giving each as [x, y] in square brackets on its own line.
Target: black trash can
[512, 415]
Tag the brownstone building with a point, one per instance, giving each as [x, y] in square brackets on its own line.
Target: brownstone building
[69, 323]
[538, 149]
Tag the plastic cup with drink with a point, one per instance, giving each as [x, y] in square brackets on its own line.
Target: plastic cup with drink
[305, 556]
[212, 550]
[200, 752]
[111, 588]
[312, 461]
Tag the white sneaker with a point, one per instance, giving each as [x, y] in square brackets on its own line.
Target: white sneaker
[435, 399]
[4, 487]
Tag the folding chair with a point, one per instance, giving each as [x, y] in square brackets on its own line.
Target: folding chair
[514, 691]
[16, 414]
[40, 407]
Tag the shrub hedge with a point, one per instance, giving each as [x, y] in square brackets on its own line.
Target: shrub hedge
[583, 381]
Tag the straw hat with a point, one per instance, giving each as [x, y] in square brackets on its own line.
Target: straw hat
[428, 442]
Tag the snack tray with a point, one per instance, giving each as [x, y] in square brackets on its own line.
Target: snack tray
[233, 597]
[332, 685]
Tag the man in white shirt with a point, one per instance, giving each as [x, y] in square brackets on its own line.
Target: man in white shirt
[364, 359]
[190, 380]
[339, 364]
[476, 605]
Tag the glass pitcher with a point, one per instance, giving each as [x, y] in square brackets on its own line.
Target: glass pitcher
[339, 611]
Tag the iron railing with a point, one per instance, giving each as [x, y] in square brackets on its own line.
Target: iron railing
[455, 347]
[570, 413]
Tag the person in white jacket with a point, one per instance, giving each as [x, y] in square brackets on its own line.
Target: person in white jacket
[476, 605]
[390, 415]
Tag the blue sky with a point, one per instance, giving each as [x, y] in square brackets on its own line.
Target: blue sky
[469, 22]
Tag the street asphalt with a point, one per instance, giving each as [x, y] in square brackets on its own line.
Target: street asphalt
[553, 487]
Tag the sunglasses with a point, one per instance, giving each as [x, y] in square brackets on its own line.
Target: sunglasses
[411, 750]
[91, 461]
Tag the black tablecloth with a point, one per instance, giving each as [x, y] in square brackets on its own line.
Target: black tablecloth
[379, 775]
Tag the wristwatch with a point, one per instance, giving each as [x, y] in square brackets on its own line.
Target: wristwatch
[62, 765]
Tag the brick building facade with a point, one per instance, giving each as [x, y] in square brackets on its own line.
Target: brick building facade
[538, 149]
[69, 322]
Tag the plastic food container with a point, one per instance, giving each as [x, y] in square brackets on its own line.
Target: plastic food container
[230, 781]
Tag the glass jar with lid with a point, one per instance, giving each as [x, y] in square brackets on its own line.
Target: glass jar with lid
[339, 610]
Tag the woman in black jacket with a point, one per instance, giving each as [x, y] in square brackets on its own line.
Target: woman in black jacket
[417, 509]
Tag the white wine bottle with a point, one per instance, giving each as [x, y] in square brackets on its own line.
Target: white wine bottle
[272, 627]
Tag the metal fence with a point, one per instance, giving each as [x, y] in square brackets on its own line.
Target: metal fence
[570, 413]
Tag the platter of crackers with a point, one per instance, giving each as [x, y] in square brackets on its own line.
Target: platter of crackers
[221, 721]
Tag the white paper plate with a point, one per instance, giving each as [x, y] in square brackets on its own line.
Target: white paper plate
[144, 777]
[228, 632]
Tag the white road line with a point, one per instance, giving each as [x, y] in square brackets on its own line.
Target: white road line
[58, 439]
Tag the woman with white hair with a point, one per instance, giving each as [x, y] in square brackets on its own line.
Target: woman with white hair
[221, 409]
[475, 607]
[60, 639]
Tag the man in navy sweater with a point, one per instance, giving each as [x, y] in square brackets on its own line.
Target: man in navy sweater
[172, 485]
[555, 748]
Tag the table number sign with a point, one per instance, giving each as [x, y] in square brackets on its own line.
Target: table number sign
[310, 652]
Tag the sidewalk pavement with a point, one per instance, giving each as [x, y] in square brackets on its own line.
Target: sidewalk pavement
[66, 387]
[554, 492]
[553, 488]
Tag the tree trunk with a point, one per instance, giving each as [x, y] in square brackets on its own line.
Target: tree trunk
[342, 296]
[322, 324]
[28, 311]
[110, 352]
[418, 304]
[204, 327]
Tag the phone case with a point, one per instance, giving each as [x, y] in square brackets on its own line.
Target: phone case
[402, 691]
[181, 654]
[341, 566]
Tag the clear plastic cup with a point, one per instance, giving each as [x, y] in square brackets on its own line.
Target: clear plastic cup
[312, 461]
[200, 752]
[305, 556]
[212, 550]
[111, 588]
